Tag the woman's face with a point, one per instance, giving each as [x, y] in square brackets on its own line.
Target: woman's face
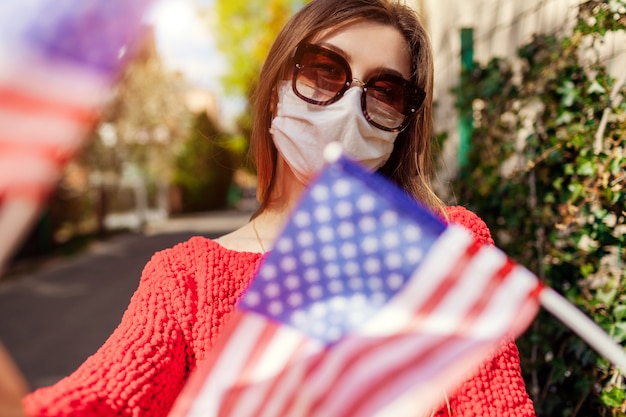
[370, 48]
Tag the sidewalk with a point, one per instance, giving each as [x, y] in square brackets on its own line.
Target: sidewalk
[213, 224]
[218, 222]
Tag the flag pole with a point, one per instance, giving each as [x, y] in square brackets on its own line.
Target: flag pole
[581, 324]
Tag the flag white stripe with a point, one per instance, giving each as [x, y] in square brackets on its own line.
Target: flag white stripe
[453, 309]
[33, 127]
[274, 359]
[352, 383]
[504, 305]
[70, 83]
[228, 367]
[291, 383]
[17, 172]
[426, 395]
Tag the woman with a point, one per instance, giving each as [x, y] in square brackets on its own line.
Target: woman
[355, 71]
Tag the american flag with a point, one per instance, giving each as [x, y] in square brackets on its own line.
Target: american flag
[367, 305]
[59, 60]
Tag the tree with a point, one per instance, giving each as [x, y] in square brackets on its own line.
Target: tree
[144, 120]
[245, 31]
[204, 167]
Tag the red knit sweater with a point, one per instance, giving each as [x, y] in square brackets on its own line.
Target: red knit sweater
[185, 295]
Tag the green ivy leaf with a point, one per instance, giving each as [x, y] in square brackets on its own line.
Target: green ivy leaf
[606, 297]
[587, 269]
[569, 93]
[613, 397]
[564, 118]
[619, 312]
[618, 331]
[595, 88]
[586, 169]
[615, 165]
[576, 189]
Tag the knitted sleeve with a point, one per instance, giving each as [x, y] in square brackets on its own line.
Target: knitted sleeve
[141, 367]
[497, 389]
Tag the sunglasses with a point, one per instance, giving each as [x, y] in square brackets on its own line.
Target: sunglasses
[322, 76]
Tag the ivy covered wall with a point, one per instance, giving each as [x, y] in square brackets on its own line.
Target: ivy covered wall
[547, 172]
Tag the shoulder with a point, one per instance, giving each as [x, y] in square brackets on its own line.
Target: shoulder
[171, 269]
[200, 252]
[184, 253]
[176, 265]
[198, 258]
[463, 217]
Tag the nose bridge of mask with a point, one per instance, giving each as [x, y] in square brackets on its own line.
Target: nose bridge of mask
[351, 99]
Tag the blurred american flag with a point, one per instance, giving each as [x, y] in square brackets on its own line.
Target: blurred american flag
[367, 305]
[58, 62]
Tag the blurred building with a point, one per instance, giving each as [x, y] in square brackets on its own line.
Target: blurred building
[199, 100]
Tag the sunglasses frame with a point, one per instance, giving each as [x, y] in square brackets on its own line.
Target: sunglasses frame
[415, 95]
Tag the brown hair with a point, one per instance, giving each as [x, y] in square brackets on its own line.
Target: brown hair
[409, 165]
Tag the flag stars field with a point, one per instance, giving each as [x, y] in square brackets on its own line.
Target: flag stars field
[367, 224]
[329, 253]
[345, 229]
[312, 275]
[326, 234]
[352, 268]
[308, 257]
[322, 214]
[302, 219]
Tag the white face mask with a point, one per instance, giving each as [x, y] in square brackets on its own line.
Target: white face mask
[302, 130]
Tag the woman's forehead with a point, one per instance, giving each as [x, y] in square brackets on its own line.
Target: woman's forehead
[369, 44]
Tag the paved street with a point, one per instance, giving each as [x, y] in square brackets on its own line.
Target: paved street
[52, 319]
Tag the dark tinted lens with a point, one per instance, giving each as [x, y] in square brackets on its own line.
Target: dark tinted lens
[386, 102]
[320, 77]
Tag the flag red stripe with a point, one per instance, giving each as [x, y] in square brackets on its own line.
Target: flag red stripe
[272, 391]
[36, 194]
[233, 395]
[34, 150]
[24, 103]
[450, 280]
[481, 303]
[203, 370]
[313, 364]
